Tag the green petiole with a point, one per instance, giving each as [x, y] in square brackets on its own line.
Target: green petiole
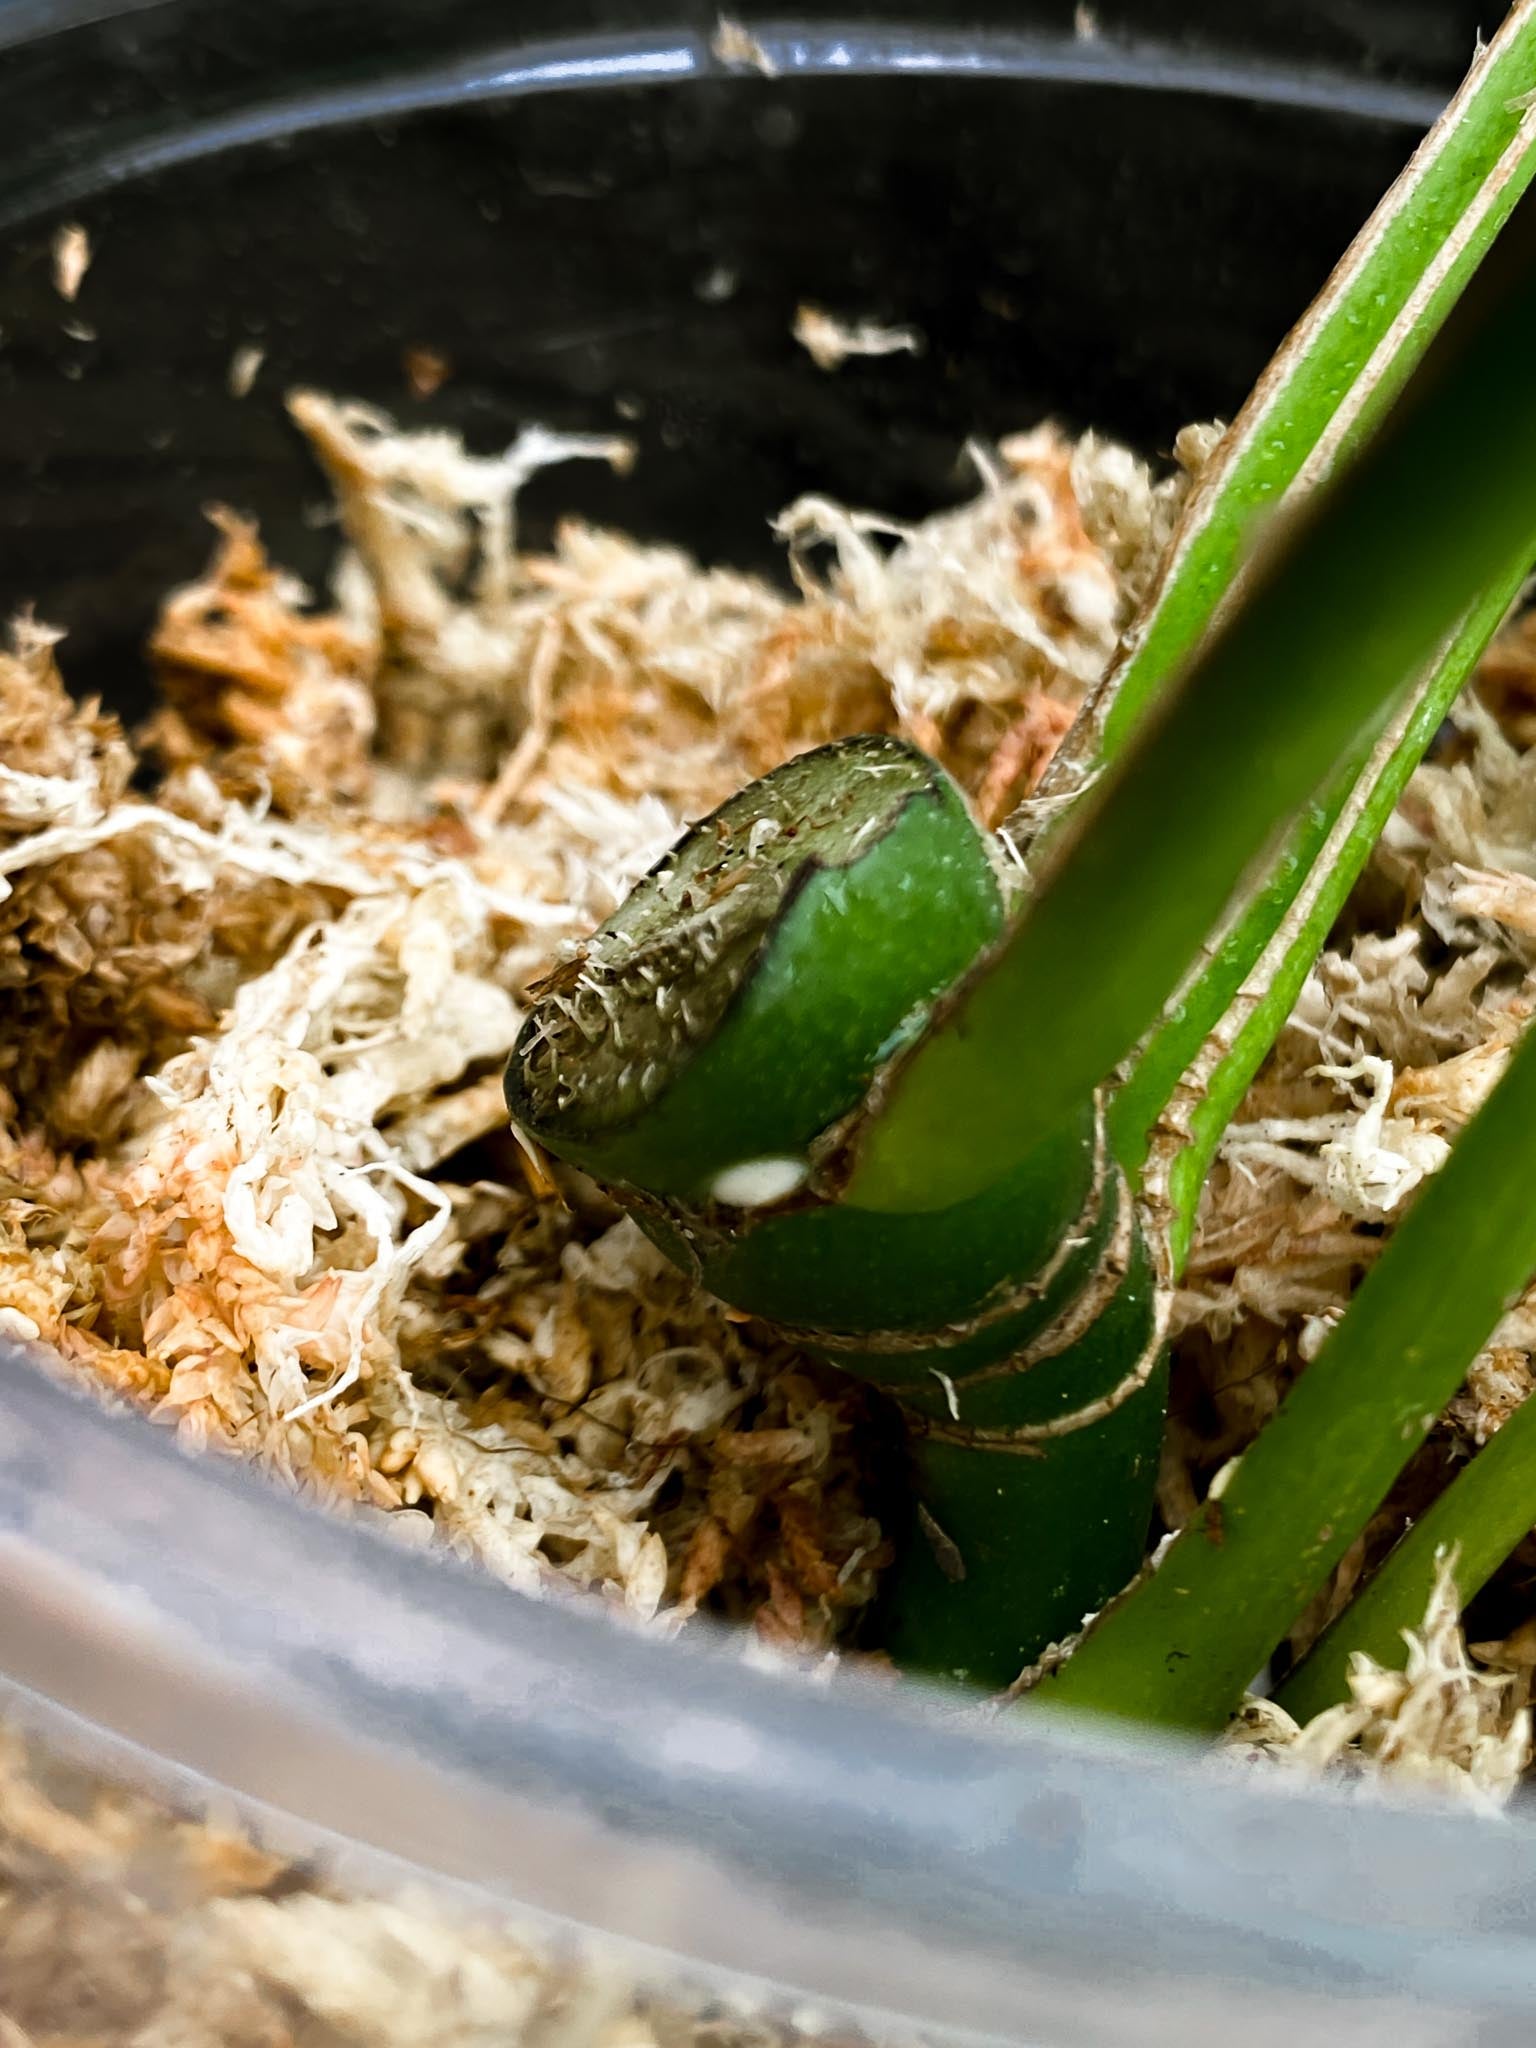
[1182, 1645]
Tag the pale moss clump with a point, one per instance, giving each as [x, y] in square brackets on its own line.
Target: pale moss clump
[127, 1924]
[1440, 1729]
[253, 1164]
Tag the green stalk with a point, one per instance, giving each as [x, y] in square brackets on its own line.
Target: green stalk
[1331, 379]
[1238, 1000]
[1182, 1644]
[779, 1056]
[1481, 1516]
[1315, 661]
[1334, 376]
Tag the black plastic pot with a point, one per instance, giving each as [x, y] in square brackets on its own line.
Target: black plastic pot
[588, 212]
[595, 218]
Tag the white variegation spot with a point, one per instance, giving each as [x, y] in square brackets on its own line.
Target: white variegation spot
[757, 1182]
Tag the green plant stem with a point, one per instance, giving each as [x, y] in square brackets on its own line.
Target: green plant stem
[817, 1062]
[1335, 374]
[703, 1059]
[1315, 658]
[1183, 1643]
[1328, 383]
[1236, 1006]
[1487, 1509]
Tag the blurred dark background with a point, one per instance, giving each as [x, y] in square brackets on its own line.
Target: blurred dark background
[1110, 215]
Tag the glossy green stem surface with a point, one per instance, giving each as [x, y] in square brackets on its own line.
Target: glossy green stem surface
[1339, 369]
[1236, 1006]
[1437, 510]
[1185, 1642]
[1328, 384]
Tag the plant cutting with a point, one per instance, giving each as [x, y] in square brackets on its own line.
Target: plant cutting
[938, 1107]
[1013, 1213]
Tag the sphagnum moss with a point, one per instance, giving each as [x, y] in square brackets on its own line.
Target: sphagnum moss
[948, 1106]
[579, 707]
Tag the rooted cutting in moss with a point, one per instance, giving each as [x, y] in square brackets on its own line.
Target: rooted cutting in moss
[849, 1198]
[715, 1054]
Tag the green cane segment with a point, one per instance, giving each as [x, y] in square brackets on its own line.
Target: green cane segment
[714, 1056]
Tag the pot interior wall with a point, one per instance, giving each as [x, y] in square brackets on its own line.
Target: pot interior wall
[631, 255]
